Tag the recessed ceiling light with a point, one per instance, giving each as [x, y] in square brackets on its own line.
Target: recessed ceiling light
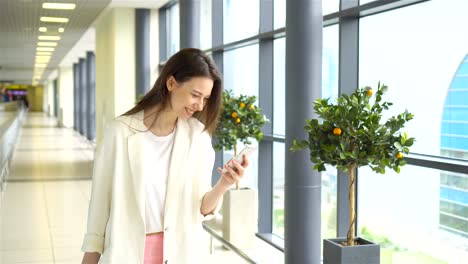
[42, 60]
[43, 53]
[42, 56]
[54, 19]
[58, 6]
[49, 38]
[40, 65]
[47, 44]
[61, 30]
[43, 29]
[45, 49]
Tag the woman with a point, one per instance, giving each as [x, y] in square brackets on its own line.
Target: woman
[152, 172]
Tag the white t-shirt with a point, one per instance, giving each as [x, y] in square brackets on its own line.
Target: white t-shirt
[156, 153]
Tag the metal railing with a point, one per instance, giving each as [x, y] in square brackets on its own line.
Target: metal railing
[11, 114]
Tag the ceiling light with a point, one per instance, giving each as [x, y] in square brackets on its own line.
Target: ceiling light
[47, 44]
[43, 53]
[49, 38]
[40, 65]
[42, 57]
[45, 49]
[61, 30]
[54, 19]
[43, 29]
[58, 6]
[42, 60]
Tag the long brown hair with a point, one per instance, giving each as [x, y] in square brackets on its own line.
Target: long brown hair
[184, 65]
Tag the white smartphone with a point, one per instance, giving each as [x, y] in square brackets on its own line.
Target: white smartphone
[239, 158]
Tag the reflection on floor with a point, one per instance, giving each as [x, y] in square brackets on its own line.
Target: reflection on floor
[44, 207]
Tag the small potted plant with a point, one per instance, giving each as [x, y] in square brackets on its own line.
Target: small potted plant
[348, 135]
[240, 121]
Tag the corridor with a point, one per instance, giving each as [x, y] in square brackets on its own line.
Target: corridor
[44, 205]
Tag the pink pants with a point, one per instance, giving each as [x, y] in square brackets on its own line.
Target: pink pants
[154, 248]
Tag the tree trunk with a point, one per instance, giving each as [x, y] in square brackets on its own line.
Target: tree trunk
[352, 205]
[235, 154]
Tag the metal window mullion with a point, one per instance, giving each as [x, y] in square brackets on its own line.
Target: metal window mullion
[265, 96]
[218, 57]
[348, 81]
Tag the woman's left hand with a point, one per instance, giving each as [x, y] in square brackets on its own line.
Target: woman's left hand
[234, 175]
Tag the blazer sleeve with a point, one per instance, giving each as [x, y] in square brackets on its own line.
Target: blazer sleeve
[101, 193]
[205, 180]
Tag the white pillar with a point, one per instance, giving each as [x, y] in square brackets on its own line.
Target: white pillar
[65, 87]
[115, 65]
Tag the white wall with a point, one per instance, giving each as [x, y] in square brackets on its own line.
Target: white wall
[65, 88]
[50, 97]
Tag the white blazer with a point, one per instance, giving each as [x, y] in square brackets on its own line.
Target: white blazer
[116, 222]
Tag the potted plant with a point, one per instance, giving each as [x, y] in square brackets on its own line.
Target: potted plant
[240, 121]
[348, 135]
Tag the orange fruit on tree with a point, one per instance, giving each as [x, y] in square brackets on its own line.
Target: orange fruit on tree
[337, 131]
[234, 114]
[242, 105]
[252, 107]
[238, 120]
[399, 155]
[370, 92]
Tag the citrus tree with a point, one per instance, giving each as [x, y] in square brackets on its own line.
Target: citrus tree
[240, 120]
[352, 134]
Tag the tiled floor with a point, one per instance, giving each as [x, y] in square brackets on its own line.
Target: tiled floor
[44, 206]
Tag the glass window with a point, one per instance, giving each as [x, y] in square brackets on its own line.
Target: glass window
[414, 215]
[279, 13]
[279, 90]
[329, 193]
[241, 19]
[425, 72]
[278, 188]
[361, 2]
[329, 74]
[279, 10]
[241, 70]
[241, 76]
[205, 24]
[173, 29]
[329, 89]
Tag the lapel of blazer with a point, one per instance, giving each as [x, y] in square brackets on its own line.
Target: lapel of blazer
[177, 169]
[135, 156]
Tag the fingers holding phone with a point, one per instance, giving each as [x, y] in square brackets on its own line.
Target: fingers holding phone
[234, 169]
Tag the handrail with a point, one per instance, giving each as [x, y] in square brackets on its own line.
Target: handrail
[228, 244]
[8, 134]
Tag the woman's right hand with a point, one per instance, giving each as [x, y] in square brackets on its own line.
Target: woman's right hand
[91, 258]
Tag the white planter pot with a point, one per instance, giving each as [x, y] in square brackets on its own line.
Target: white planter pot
[240, 217]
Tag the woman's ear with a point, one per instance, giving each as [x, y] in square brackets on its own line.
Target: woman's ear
[171, 83]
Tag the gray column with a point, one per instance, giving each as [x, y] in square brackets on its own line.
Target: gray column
[82, 92]
[90, 95]
[55, 110]
[162, 17]
[303, 85]
[142, 51]
[189, 17]
[265, 152]
[347, 83]
[218, 57]
[76, 99]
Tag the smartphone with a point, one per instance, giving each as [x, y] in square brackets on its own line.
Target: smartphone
[246, 151]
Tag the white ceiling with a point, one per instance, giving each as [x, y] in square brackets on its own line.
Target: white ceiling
[19, 24]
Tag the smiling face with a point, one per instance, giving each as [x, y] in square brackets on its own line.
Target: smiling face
[190, 96]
